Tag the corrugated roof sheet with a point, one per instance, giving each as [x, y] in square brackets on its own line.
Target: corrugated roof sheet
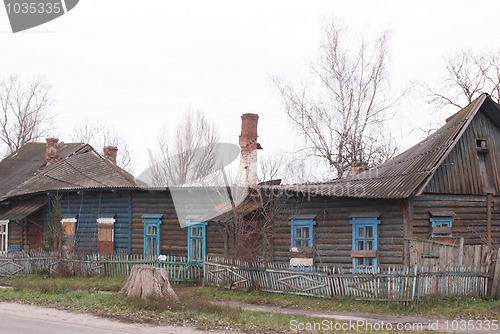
[27, 161]
[405, 174]
[87, 170]
[22, 210]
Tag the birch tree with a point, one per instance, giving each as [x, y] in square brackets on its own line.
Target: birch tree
[98, 133]
[24, 111]
[186, 154]
[341, 111]
[465, 76]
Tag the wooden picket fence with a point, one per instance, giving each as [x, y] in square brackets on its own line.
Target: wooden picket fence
[179, 269]
[399, 284]
[52, 263]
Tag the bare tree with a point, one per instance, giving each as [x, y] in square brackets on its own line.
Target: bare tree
[465, 76]
[98, 133]
[289, 168]
[341, 113]
[187, 154]
[24, 107]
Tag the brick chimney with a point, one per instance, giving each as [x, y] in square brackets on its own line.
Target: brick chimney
[249, 146]
[51, 151]
[358, 167]
[110, 153]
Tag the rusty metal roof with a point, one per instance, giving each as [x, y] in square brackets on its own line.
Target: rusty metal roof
[23, 210]
[86, 170]
[409, 172]
[27, 161]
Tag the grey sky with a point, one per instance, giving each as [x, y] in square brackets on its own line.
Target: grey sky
[139, 64]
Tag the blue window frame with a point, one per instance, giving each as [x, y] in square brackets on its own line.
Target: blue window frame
[443, 221]
[302, 232]
[151, 234]
[197, 241]
[365, 238]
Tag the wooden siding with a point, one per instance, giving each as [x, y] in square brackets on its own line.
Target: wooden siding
[173, 238]
[459, 173]
[16, 235]
[470, 220]
[333, 231]
[89, 206]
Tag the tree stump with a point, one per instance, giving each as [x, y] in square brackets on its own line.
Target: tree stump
[147, 281]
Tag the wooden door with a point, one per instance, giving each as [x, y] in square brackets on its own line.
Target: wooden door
[34, 236]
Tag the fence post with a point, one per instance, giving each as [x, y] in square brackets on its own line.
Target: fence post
[495, 287]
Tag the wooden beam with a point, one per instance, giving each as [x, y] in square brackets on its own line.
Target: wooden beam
[488, 218]
[441, 230]
[363, 253]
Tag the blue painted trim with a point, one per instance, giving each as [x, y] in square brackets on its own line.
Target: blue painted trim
[363, 222]
[442, 221]
[299, 223]
[203, 243]
[152, 220]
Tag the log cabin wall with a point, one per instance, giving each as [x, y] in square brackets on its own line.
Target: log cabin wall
[173, 237]
[16, 235]
[470, 220]
[333, 231]
[90, 205]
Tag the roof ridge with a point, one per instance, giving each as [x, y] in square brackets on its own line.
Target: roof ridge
[470, 115]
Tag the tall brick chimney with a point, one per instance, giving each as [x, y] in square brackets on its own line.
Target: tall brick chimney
[358, 167]
[249, 146]
[110, 153]
[51, 151]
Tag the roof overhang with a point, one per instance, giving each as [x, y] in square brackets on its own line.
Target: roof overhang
[23, 210]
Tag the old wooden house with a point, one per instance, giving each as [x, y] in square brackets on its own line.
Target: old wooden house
[443, 188]
[72, 183]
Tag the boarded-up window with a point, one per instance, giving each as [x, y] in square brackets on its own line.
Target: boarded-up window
[105, 235]
[442, 226]
[69, 231]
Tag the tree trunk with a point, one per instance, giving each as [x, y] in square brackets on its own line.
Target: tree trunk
[147, 281]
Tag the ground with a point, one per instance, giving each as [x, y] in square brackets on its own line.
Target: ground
[214, 309]
[29, 319]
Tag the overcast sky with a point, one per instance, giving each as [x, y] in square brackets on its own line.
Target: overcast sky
[139, 64]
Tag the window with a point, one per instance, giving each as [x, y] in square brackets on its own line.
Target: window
[364, 242]
[441, 228]
[196, 241]
[151, 234]
[69, 228]
[105, 235]
[4, 236]
[302, 232]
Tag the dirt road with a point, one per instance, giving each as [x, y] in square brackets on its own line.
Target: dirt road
[28, 319]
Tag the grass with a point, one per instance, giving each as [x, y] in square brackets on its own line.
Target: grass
[462, 308]
[63, 284]
[196, 307]
[80, 295]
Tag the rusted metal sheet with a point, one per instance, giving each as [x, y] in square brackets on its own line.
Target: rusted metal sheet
[445, 161]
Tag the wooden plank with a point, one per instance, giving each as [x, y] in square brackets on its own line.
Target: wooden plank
[495, 289]
[301, 262]
[363, 253]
